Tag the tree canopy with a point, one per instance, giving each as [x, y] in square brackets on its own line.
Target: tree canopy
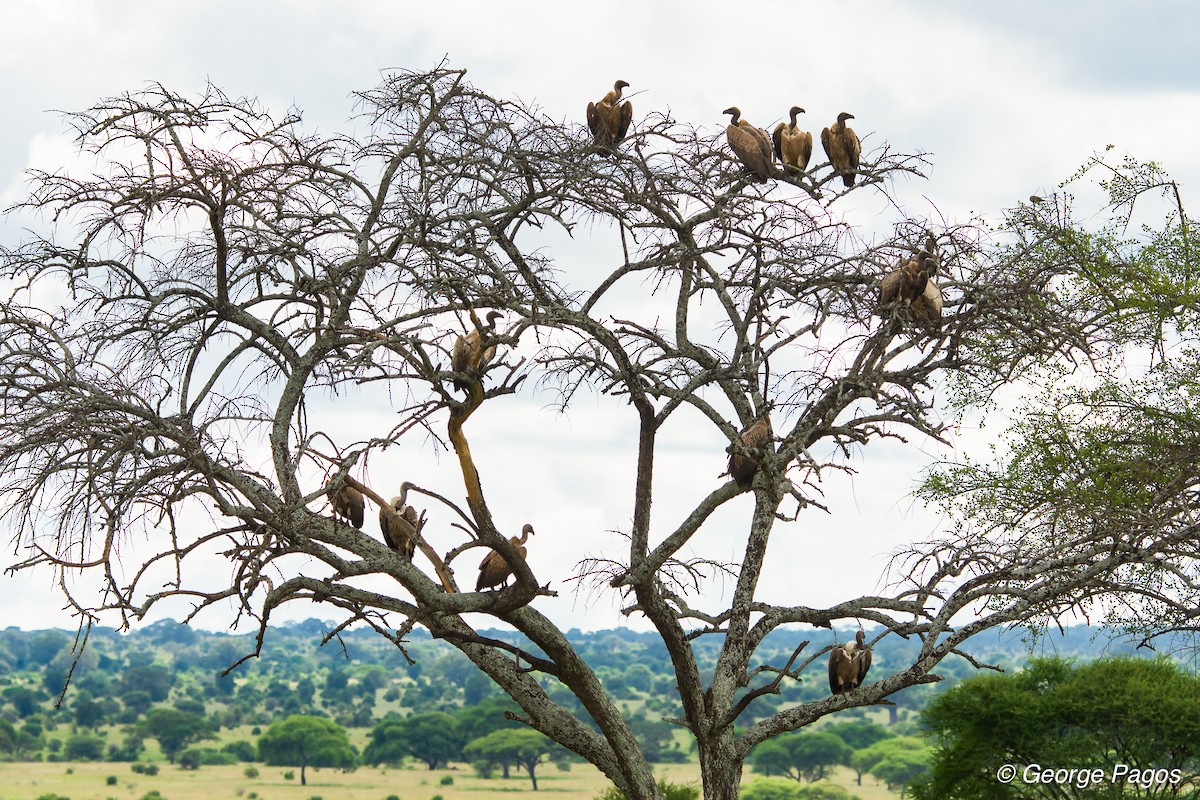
[1127, 725]
[304, 741]
[224, 269]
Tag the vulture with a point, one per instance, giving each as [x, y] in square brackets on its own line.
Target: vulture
[347, 503]
[907, 283]
[469, 357]
[843, 148]
[494, 570]
[609, 119]
[742, 466]
[927, 309]
[848, 664]
[792, 146]
[400, 528]
[751, 145]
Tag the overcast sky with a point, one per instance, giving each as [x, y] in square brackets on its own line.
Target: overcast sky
[1008, 98]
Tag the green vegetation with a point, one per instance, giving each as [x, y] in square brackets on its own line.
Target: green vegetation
[303, 742]
[1139, 713]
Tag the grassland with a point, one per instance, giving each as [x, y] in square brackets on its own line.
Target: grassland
[88, 781]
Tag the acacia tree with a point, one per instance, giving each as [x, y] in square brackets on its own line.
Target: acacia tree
[224, 269]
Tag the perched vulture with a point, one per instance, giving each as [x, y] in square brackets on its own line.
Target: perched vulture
[742, 466]
[400, 528]
[347, 503]
[751, 145]
[848, 664]
[907, 283]
[609, 119]
[927, 309]
[843, 148]
[494, 570]
[469, 357]
[792, 146]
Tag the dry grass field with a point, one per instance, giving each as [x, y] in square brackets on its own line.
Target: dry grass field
[88, 781]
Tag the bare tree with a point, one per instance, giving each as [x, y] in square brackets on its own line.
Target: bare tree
[225, 270]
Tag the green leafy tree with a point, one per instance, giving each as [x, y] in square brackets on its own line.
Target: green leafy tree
[770, 788]
[812, 754]
[174, 729]
[477, 721]
[25, 700]
[89, 713]
[902, 768]
[84, 747]
[772, 758]
[521, 746]
[431, 737]
[866, 759]
[304, 741]
[1142, 713]
[152, 679]
[859, 733]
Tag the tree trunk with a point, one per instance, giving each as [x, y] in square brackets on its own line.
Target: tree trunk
[303, 782]
[720, 769]
[532, 777]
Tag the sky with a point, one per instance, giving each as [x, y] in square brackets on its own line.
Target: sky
[1007, 98]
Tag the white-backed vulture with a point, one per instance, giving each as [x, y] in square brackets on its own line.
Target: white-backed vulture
[750, 144]
[906, 283]
[469, 357]
[742, 466]
[609, 119]
[848, 664]
[843, 148]
[927, 309]
[793, 146]
[400, 527]
[348, 503]
[494, 570]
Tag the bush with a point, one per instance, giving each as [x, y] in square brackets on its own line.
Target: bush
[111, 780]
[153, 794]
[250, 772]
[289, 775]
[393, 797]
[144, 769]
[447, 780]
[242, 749]
[668, 790]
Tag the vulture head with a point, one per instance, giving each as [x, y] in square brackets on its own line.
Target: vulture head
[736, 112]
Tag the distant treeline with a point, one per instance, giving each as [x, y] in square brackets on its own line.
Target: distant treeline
[357, 678]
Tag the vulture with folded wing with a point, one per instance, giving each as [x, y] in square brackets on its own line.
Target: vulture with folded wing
[843, 148]
[793, 146]
[494, 570]
[609, 119]
[750, 144]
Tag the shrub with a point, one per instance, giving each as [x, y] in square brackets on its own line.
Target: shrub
[669, 791]
[250, 772]
[447, 780]
[289, 775]
[153, 794]
[111, 780]
[144, 769]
